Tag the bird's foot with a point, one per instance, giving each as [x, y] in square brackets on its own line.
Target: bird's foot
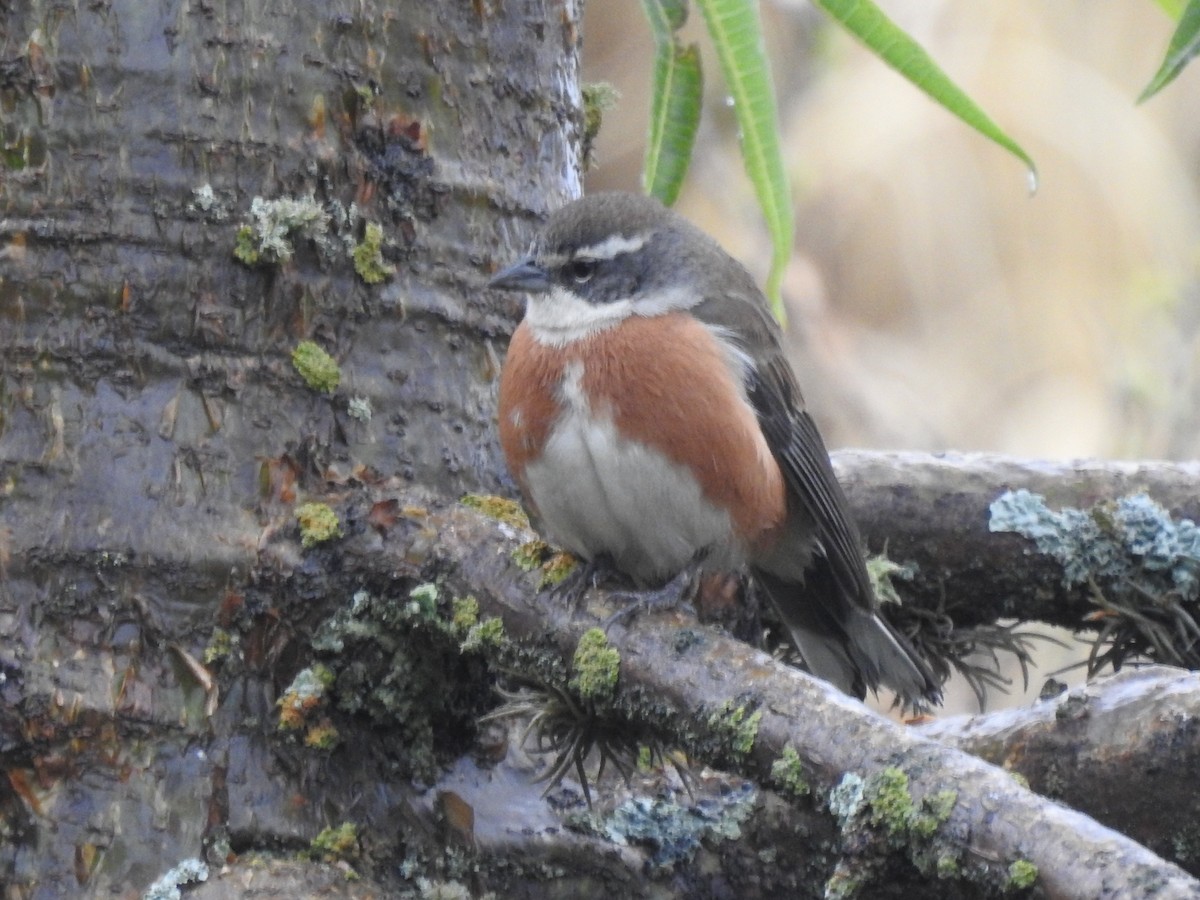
[588, 574]
[678, 592]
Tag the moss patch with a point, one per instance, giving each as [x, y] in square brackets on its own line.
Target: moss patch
[556, 569]
[322, 736]
[220, 645]
[398, 661]
[737, 726]
[368, 256]
[1022, 875]
[335, 843]
[318, 369]
[464, 614]
[488, 633]
[598, 98]
[788, 774]
[499, 508]
[879, 817]
[596, 667]
[318, 523]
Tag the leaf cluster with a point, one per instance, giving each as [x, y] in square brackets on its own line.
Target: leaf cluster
[736, 33]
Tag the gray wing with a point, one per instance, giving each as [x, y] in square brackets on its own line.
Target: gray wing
[840, 635]
[797, 446]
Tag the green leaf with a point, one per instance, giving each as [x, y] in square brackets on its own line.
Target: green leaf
[889, 42]
[737, 37]
[675, 113]
[1185, 43]
[1173, 8]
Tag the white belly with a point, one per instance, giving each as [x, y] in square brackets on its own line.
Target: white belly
[599, 494]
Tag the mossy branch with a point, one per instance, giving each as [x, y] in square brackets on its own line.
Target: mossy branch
[679, 684]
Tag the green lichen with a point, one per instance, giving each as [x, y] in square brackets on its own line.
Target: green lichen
[464, 613]
[318, 369]
[245, 247]
[220, 645]
[499, 508]
[598, 98]
[948, 867]
[318, 523]
[1022, 875]
[305, 694]
[879, 817]
[881, 571]
[335, 844]
[891, 805]
[884, 802]
[368, 256]
[488, 633]
[322, 736]
[398, 663]
[531, 555]
[934, 813]
[738, 726]
[422, 601]
[596, 666]
[787, 773]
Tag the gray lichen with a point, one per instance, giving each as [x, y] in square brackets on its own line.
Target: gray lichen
[1136, 563]
[270, 238]
[674, 831]
[1112, 540]
[167, 887]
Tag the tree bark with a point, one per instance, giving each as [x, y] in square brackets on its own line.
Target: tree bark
[152, 423]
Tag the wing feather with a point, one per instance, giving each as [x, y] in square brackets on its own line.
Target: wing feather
[792, 434]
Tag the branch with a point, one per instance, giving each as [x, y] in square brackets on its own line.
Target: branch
[674, 674]
[933, 511]
[687, 681]
[1123, 749]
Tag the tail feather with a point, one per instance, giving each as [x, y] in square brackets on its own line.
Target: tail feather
[845, 644]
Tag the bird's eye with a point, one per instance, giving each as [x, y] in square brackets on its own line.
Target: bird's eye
[581, 270]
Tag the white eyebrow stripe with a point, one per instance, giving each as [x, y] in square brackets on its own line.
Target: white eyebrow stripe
[613, 246]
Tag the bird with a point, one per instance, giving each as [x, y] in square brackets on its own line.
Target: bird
[651, 420]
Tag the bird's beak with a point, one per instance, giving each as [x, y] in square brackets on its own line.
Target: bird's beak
[523, 276]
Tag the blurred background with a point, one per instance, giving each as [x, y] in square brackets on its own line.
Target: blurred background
[934, 304]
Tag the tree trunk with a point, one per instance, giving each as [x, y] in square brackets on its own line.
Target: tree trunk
[153, 427]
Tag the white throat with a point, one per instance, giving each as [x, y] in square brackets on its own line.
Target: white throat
[559, 317]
